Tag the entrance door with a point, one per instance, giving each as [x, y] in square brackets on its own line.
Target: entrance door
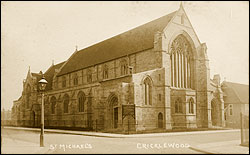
[160, 120]
[116, 117]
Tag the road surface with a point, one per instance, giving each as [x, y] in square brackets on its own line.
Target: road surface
[79, 144]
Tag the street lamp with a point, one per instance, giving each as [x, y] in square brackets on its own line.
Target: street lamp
[42, 86]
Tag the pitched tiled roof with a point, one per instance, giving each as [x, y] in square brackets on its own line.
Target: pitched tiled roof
[235, 92]
[49, 74]
[135, 40]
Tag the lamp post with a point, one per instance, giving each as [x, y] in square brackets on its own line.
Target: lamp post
[42, 86]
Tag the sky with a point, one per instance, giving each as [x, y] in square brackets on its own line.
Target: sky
[36, 33]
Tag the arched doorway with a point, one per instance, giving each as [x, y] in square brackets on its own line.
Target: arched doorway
[113, 111]
[214, 112]
[160, 120]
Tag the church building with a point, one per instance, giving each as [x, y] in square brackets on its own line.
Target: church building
[155, 76]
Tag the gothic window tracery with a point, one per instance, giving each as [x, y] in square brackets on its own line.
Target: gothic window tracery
[181, 63]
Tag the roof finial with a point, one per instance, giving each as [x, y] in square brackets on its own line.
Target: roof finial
[76, 48]
[29, 69]
[52, 62]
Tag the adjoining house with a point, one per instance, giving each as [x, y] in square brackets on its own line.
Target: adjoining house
[236, 101]
[155, 76]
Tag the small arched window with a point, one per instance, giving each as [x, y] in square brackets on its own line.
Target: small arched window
[53, 105]
[66, 103]
[89, 75]
[148, 91]
[124, 67]
[75, 79]
[81, 101]
[105, 72]
[191, 106]
[178, 106]
[63, 81]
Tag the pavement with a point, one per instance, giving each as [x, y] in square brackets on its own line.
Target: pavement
[115, 135]
[13, 146]
[227, 147]
[224, 147]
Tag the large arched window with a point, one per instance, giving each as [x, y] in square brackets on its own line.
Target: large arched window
[66, 103]
[178, 106]
[181, 63]
[81, 101]
[28, 94]
[53, 104]
[124, 67]
[191, 106]
[105, 72]
[148, 91]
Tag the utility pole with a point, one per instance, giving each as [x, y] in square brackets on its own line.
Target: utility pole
[42, 85]
[42, 123]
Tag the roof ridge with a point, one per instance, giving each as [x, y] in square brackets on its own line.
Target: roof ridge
[235, 83]
[60, 63]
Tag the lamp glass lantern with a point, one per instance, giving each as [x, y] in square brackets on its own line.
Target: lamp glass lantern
[42, 84]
